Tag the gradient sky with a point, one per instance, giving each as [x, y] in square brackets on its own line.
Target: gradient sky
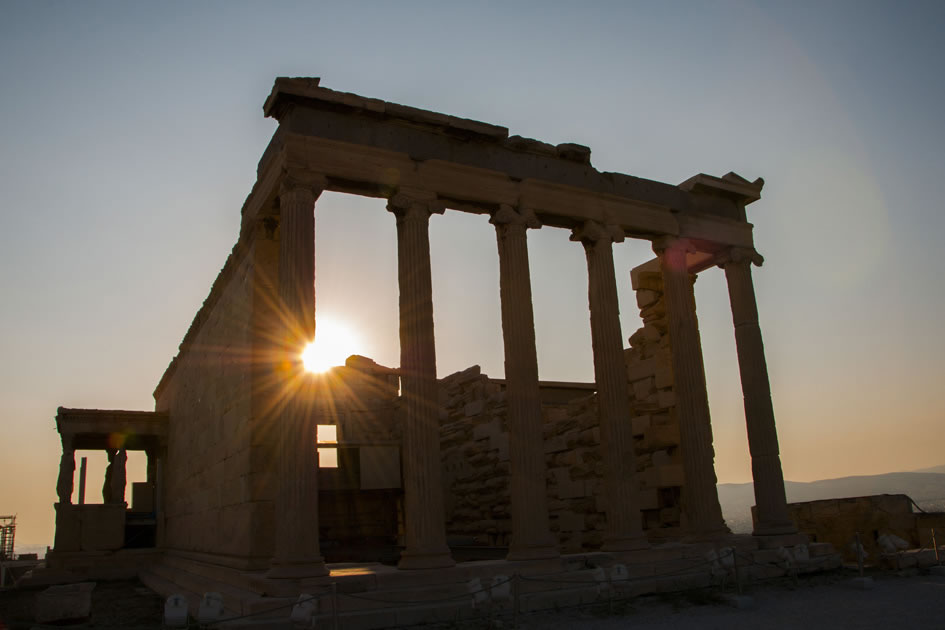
[130, 133]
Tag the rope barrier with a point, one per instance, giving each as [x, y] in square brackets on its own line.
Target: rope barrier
[551, 578]
[269, 610]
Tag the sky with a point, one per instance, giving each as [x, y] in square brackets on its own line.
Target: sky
[130, 134]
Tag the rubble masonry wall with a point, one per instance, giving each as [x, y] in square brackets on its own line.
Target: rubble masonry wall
[475, 442]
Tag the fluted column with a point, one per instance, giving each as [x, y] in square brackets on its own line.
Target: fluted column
[66, 473]
[770, 501]
[700, 497]
[424, 520]
[107, 486]
[531, 537]
[297, 552]
[151, 467]
[119, 475]
[624, 522]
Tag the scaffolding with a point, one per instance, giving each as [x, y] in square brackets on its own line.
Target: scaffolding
[7, 530]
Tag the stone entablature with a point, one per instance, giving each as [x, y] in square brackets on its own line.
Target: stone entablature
[98, 428]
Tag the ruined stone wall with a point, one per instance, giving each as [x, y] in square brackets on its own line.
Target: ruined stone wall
[653, 408]
[837, 521]
[217, 486]
[475, 443]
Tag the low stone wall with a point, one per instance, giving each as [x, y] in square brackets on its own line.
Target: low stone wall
[837, 521]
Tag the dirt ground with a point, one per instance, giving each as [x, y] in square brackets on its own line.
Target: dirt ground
[820, 602]
[120, 604]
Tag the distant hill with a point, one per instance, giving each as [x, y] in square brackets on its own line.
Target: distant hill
[927, 489]
[935, 469]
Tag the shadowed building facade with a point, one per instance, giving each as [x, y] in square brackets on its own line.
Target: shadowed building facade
[239, 475]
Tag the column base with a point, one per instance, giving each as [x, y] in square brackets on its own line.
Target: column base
[634, 542]
[533, 553]
[707, 535]
[773, 541]
[440, 560]
[774, 529]
[297, 570]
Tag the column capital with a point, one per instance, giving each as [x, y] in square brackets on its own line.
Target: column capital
[414, 204]
[592, 232]
[296, 182]
[739, 255]
[674, 243]
[507, 215]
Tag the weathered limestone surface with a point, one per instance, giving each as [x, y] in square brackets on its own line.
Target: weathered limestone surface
[66, 474]
[213, 501]
[759, 411]
[425, 532]
[296, 553]
[624, 529]
[531, 537]
[476, 462]
[654, 420]
[837, 521]
[700, 498]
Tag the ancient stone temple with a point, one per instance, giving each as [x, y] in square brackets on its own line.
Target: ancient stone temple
[264, 475]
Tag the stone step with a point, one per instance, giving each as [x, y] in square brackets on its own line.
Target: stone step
[235, 599]
[218, 573]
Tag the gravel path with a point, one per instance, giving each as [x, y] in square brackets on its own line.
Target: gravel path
[826, 602]
[817, 603]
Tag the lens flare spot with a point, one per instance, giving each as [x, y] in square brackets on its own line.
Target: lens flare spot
[334, 342]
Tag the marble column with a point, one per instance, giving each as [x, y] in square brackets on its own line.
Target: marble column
[772, 516]
[424, 519]
[66, 473]
[118, 479]
[624, 521]
[107, 486]
[151, 469]
[700, 497]
[531, 536]
[297, 553]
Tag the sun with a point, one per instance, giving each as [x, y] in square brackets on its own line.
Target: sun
[334, 342]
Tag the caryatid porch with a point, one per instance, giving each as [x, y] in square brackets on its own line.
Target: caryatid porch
[97, 527]
[423, 163]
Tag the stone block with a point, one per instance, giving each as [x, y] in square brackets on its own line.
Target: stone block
[661, 437]
[643, 387]
[103, 527]
[570, 522]
[68, 528]
[669, 515]
[645, 279]
[487, 430]
[65, 603]
[665, 476]
[661, 458]
[639, 425]
[648, 498]
[142, 496]
[666, 399]
[663, 374]
[474, 408]
[568, 488]
[640, 368]
[646, 297]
